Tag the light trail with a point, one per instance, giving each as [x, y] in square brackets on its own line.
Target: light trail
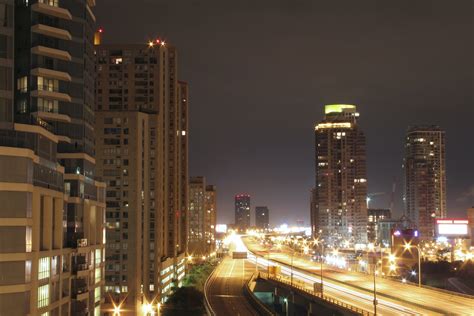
[311, 279]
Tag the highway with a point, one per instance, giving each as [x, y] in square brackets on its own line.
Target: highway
[394, 298]
[224, 290]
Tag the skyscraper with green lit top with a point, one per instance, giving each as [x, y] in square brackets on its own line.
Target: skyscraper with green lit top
[339, 210]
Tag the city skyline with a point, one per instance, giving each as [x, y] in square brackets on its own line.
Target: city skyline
[399, 80]
[144, 144]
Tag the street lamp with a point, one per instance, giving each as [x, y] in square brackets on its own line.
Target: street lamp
[374, 259]
[321, 244]
[291, 275]
[408, 246]
[286, 305]
[117, 310]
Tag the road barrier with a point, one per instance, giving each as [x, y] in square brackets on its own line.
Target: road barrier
[207, 305]
[261, 308]
[301, 287]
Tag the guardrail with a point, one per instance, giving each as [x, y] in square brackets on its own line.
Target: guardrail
[295, 284]
[452, 293]
[255, 302]
[207, 305]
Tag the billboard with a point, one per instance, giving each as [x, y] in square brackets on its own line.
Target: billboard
[452, 227]
[221, 228]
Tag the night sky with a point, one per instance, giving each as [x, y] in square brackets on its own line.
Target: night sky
[260, 72]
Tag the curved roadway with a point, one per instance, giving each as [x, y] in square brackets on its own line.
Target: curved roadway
[225, 288]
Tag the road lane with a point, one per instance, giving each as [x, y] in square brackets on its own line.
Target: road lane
[413, 299]
[225, 288]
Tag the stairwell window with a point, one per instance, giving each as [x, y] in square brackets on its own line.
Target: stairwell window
[43, 268]
[43, 296]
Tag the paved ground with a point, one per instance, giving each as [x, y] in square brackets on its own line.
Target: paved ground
[225, 293]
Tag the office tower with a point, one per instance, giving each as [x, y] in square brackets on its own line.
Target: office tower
[242, 211]
[142, 151]
[374, 216]
[340, 210]
[300, 223]
[262, 217]
[52, 220]
[425, 178]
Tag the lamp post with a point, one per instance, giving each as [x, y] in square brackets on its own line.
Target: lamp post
[375, 290]
[408, 247]
[374, 260]
[291, 274]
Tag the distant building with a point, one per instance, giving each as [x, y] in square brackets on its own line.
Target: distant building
[202, 217]
[314, 213]
[425, 178]
[339, 200]
[262, 217]
[373, 217]
[242, 211]
[211, 217]
[300, 223]
[384, 230]
[470, 218]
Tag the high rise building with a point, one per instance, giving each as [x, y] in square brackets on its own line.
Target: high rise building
[262, 217]
[242, 211]
[202, 217]
[142, 150]
[339, 199]
[425, 178]
[52, 222]
[375, 215]
[211, 217]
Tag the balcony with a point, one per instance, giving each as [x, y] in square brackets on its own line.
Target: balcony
[52, 10]
[51, 52]
[51, 31]
[50, 73]
[51, 95]
[52, 116]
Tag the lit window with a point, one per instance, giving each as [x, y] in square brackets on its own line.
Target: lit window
[53, 3]
[28, 237]
[97, 294]
[97, 275]
[43, 268]
[22, 84]
[43, 296]
[48, 84]
[97, 256]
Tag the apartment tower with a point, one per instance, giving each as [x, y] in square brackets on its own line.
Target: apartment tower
[52, 219]
[142, 151]
[339, 198]
[425, 178]
[202, 217]
[242, 211]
